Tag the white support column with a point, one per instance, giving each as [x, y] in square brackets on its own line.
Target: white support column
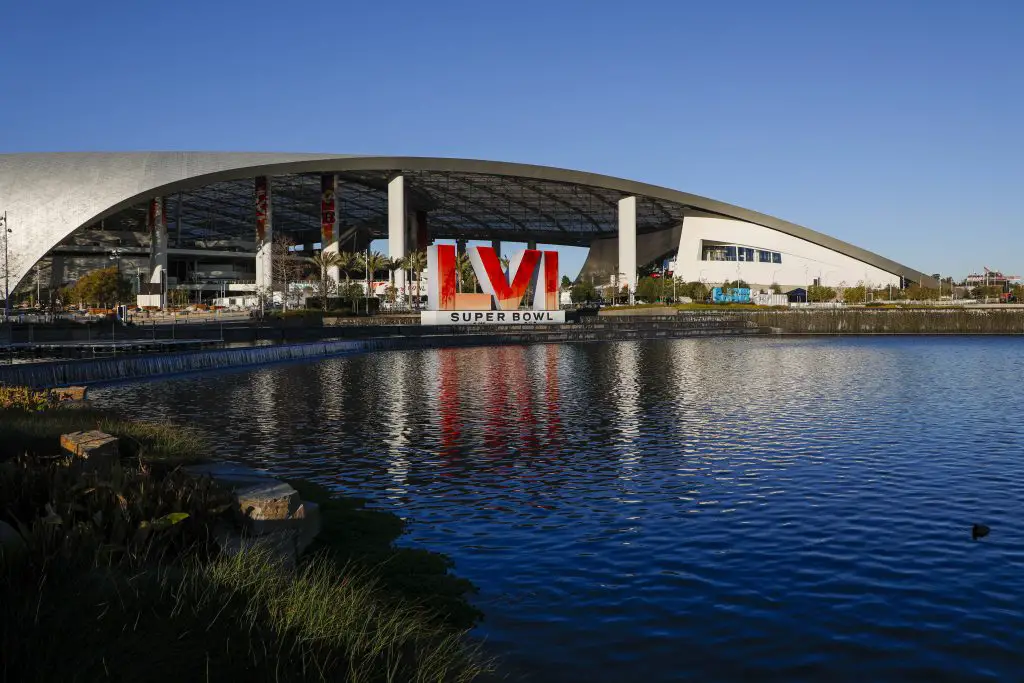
[158, 248]
[264, 238]
[397, 226]
[627, 244]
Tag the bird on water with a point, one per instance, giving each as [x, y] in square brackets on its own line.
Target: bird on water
[979, 531]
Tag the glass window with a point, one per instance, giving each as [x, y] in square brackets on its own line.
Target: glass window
[746, 254]
[764, 256]
[776, 257]
[730, 253]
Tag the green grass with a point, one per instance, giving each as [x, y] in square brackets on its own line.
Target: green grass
[223, 619]
[107, 588]
[39, 434]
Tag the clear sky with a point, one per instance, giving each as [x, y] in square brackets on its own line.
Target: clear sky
[894, 125]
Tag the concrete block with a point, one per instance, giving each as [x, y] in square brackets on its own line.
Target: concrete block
[267, 500]
[95, 446]
[71, 393]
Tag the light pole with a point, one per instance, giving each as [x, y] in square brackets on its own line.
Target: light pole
[7, 268]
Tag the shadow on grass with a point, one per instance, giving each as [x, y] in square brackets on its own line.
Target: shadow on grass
[355, 535]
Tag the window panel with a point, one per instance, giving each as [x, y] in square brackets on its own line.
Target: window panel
[764, 256]
[776, 257]
[730, 253]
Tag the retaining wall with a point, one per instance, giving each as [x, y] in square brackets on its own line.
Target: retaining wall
[890, 321]
[87, 371]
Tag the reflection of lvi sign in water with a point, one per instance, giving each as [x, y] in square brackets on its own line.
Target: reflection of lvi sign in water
[503, 292]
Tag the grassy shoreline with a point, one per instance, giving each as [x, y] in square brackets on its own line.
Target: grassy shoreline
[119, 577]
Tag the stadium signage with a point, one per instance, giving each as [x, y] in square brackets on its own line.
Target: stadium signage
[503, 292]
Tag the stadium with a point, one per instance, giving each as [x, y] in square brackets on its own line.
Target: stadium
[207, 223]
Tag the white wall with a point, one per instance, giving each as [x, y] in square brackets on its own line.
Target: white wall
[802, 261]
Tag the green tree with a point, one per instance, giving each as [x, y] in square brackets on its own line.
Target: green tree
[346, 262]
[104, 288]
[982, 292]
[855, 295]
[820, 293]
[735, 284]
[351, 292]
[775, 288]
[393, 265]
[324, 285]
[648, 289]
[918, 293]
[370, 263]
[566, 282]
[583, 291]
[178, 296]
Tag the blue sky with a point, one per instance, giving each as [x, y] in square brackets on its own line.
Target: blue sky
[893, 125]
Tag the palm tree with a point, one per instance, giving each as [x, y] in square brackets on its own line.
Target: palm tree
[346, 260]
[392, 265]
[416, 262]
[323, 262]
[372, 262]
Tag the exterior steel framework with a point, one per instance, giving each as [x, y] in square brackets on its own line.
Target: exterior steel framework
[51, 198]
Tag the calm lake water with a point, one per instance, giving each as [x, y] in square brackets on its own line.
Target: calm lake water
[711, 510]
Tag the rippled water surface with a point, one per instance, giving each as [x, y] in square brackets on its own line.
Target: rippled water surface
[717, 509]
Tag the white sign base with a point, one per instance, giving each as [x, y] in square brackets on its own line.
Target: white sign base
[491, 317]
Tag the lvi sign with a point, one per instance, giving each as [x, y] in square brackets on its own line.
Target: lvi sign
[502, 292]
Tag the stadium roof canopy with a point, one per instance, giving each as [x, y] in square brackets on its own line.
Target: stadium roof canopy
[50, 196]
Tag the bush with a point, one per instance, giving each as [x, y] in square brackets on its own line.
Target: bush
[583, 291]
[25, 399]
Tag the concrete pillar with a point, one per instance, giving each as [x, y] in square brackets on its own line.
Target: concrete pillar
[627, 244]
[158, 248]
[329, 223]
[397, 226]
[264, 237]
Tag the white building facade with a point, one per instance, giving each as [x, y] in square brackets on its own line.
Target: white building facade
[716, 250]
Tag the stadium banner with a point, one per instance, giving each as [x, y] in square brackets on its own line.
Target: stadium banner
[328, 191]
[262, 191]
